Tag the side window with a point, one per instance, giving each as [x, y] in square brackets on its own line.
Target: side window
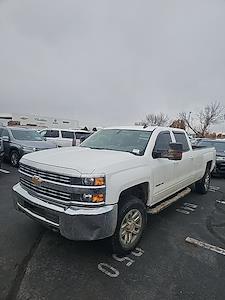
[181, 138]
[52, 133]
[1, 130]
[162, 142]
[5, 133]
[67, 134]
[80, 134]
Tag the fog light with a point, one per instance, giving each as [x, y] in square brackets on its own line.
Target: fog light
[98, 198]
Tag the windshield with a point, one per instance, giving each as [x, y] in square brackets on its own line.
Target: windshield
[26, 135]
[219, 146]
[133, 141]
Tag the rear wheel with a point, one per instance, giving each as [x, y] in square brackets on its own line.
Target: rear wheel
[203, 184]
[14, 158]
[131, 222]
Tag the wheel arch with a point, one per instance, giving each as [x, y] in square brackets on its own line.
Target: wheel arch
[209, 165]
[141, 191]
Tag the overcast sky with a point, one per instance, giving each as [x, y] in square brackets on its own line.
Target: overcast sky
[111, 62]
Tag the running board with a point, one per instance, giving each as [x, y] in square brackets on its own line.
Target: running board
[168, 202]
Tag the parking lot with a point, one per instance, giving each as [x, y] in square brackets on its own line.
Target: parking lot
[36, 263]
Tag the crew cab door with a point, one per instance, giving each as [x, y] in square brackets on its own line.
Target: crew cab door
[184, 170]
[162, 169]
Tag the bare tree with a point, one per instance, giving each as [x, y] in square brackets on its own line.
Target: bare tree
[179, 123]
[207, 116]
[159, 119]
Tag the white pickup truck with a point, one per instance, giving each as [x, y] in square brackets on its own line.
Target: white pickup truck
[107, 185]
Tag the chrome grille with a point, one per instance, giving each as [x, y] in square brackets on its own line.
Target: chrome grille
[49, 175]
[46, 191]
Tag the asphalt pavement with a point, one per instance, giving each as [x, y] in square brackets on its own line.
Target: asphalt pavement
[36, 263]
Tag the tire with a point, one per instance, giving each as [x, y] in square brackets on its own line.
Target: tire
[132, 218]
[14, 158]
[203, 184]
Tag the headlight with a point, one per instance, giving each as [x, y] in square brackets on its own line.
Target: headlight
[94, 181]
[28, 149]
[220, 158]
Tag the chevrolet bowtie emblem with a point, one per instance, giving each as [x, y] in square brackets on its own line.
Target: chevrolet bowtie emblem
[36, 180]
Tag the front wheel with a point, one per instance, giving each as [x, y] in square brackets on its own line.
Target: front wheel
[203, 184]
[132, 219]
[14, 158]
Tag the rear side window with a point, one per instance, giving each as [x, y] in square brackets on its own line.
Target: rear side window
[67, 134]
[51, 134]
[162, 142]
[181, 138]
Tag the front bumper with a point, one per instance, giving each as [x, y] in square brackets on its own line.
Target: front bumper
[74, 222]
[219, 168]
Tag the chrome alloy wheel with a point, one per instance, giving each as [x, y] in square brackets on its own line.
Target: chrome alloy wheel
[131, 227]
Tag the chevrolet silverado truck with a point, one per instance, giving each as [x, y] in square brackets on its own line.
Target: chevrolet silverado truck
[107, 186]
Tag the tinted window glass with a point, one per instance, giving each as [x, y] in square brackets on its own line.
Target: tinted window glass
[26, 135]
[67, 134]
[80, 134]
[181, 138]
[52, 133]
[207, 144]
[5, 132]
[162, 142]
[220, 146]
[1, 129]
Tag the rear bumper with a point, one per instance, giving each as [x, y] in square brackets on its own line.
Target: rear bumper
[75, 223]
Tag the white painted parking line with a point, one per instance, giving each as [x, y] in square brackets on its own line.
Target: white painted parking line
[4, 171]
[222, 202]
[187, 208]
[190, 205]
[183, 211]
[205, 245]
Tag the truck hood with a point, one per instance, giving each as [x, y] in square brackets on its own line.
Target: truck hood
[36, 144]
[83, 160]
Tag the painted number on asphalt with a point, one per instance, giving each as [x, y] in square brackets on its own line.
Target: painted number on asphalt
[214, 188]
[113, 272]
[108, 270]
[128, 260]
[187, 208]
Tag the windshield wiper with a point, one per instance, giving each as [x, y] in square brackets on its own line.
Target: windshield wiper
[98, 148]
[137, 154]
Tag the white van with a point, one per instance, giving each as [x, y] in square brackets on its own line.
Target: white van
[65, 137]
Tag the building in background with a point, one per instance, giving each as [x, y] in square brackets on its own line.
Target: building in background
[37, 121]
